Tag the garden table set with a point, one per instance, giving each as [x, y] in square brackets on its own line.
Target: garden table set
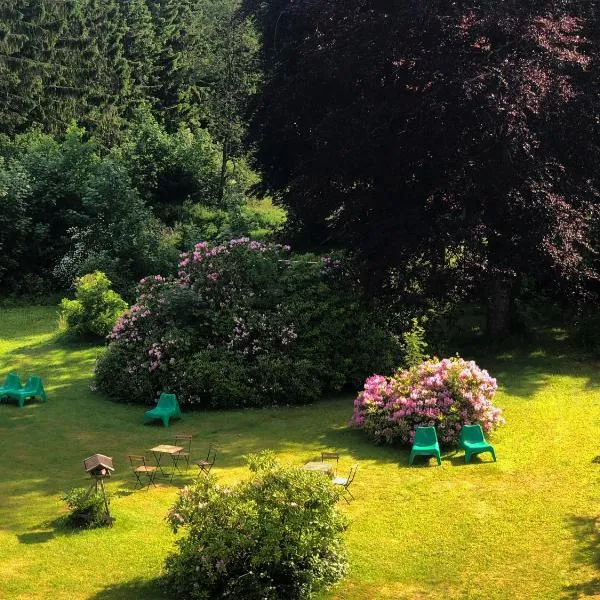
[328, 469]
[319, 467]
[166, 450]
[167, 458]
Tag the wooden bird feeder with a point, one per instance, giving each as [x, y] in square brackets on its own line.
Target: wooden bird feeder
[99, 466]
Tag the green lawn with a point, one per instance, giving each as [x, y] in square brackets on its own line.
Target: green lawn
[524, 527]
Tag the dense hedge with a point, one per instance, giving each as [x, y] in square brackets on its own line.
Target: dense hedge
[245, 324]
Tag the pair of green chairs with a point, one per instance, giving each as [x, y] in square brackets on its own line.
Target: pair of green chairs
[167, 408]
[13, 389]
[471, 440]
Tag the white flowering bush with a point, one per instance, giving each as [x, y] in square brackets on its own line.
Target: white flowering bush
[276, 535]
[445, 394]
[244, 324]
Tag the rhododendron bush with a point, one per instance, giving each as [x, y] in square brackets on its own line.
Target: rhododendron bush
[244, 324]
[445, 394]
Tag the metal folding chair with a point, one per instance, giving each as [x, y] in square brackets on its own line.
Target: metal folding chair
[140, 469]
[206, 464]
[325, 456]
[185, 441]
[345, 482]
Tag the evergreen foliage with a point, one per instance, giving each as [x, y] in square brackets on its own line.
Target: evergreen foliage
[67, 210]
[96, 61]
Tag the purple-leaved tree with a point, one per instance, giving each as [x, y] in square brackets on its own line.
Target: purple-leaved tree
[433, 134]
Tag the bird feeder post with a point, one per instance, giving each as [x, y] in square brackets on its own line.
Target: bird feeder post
[99, 467]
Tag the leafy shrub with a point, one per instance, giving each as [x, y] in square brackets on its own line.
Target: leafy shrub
[277, 535]
[87, 508]
[414, 345]
[168, 169]
[69, 209]
[445, 394]
[245, 324]
[95, 309]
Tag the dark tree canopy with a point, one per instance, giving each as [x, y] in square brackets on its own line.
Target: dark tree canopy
[424, 131]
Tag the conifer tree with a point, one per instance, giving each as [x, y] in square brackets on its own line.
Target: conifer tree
[177, 94]
[141, 51]
[107, 70]
[28, 32]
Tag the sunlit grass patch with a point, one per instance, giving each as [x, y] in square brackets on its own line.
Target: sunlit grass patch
[524, 527]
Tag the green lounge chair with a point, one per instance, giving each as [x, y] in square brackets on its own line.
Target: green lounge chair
[167, 408]
[425, 444]
[12, 383]
[472, 441]
[32, 389]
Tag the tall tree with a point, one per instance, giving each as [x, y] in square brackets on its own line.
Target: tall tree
[177, 96]
[29, 33]
[107, 72]
[412, 132]
[226, 62]
[140, 50]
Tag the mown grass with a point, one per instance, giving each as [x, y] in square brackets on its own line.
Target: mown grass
[524, 527]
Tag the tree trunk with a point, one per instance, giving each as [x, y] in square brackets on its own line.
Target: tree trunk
[499, 306]
[223, 177]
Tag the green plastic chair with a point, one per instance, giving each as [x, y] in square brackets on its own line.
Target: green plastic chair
[32, 389]
[12, 383]
[472, 441]
[167, 408]
[425, 444]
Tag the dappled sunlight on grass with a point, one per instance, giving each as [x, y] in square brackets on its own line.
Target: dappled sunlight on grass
[523, 527]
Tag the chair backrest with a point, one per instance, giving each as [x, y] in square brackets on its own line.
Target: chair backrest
[353, 470]
[34, 382]
[13, 381]
[136, 460]
[212, 449]
[472, 433]
[167, 401]
[184, 440]
[425, 436]
[330, 456]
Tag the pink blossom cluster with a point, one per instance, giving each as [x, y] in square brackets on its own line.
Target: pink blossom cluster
[203, 253]
[445, 394]
[215, 275]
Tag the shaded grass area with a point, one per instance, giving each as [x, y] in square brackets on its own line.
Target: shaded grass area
[524, 527]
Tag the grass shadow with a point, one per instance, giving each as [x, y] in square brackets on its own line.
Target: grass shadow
[36, 537]
[135, 589]
[47, 531]
[524, 368]
[586, 530]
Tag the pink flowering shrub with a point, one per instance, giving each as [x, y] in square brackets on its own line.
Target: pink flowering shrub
[445, 394]
[244, 324]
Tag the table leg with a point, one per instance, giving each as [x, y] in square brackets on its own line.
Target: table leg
[174, 467]
[158, 457]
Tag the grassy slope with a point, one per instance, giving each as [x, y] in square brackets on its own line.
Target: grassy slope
[524, 527]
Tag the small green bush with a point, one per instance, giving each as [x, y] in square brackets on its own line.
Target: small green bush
[414, 345]
[87, 507]
[95, 309]
[277, 535]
